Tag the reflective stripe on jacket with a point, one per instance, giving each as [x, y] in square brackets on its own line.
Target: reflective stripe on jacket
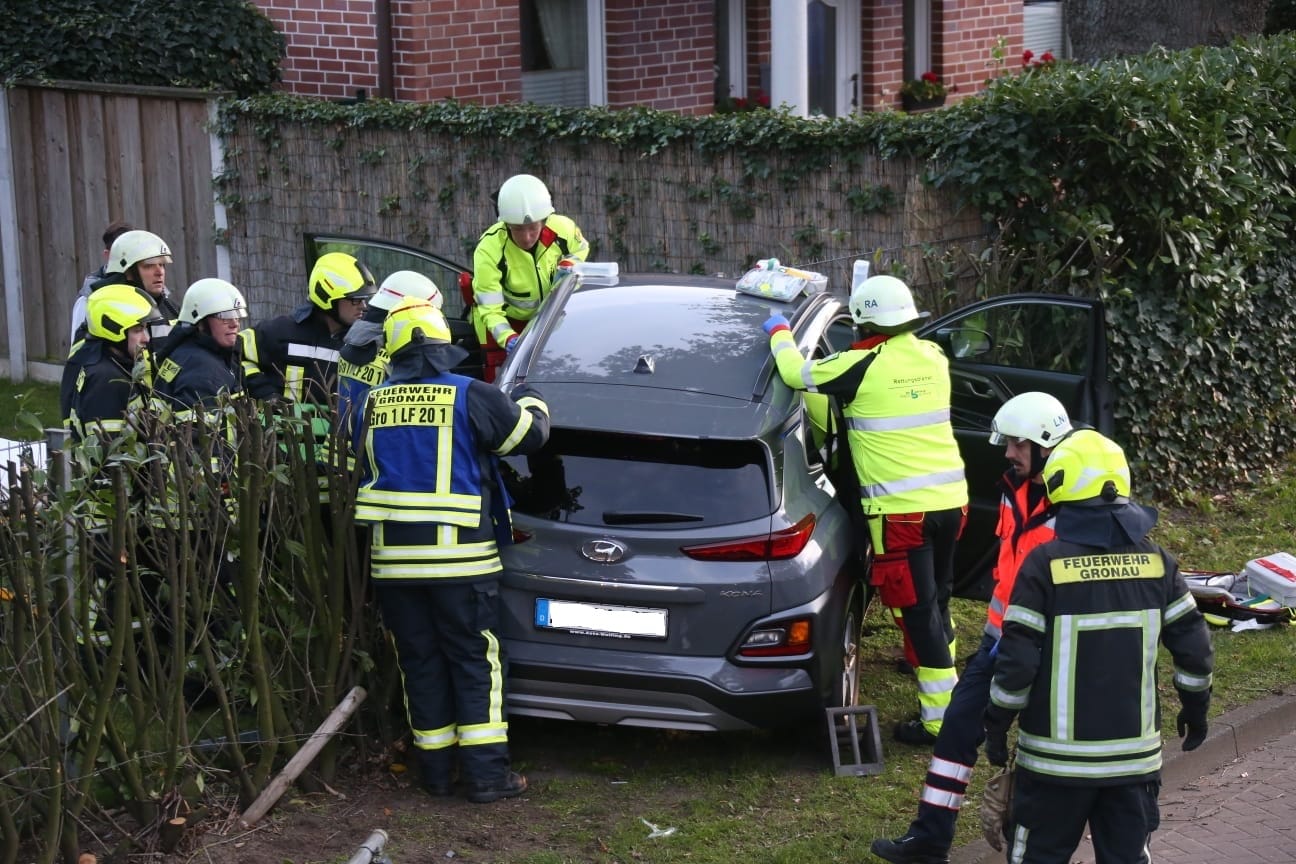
[430, 481]
[511, 282]
[1078, 658]
[895, 396]
[1021, 528]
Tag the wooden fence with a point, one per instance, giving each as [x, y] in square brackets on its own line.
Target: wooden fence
[84, 155]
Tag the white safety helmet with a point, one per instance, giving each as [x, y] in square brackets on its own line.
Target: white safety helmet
[133, 247]
[524, 198]
[402, 284]
[208, 297]
[1033, 416]
[884, 303]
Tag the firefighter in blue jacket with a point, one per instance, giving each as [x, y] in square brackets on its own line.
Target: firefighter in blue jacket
[1077, 666]
[430, 488]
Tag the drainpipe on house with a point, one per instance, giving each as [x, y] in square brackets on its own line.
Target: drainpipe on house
[382, 11]
[9, 249]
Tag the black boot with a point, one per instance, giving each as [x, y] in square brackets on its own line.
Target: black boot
[508, 786]
[909, 850]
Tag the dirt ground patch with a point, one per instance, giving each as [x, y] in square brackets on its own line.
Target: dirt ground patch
[583, 783]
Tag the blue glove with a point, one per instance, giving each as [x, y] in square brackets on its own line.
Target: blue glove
[510, 343]
[776, 323]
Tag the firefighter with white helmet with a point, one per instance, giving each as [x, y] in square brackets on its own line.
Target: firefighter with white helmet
[140, 258]
[894, 391]
[363, 362]
[432, 490]
[1028, 426]
[99, 380]
[515, 263]
[1077, 665]
[202, 358]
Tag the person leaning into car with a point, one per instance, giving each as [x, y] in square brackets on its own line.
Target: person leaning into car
[894, 389]
[1029, 426]
[429, 442]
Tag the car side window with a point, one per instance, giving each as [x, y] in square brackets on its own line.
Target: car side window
[383, 259]
[1040, 336]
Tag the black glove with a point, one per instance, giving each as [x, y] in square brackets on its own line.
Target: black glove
[996, 722]
[1192, 726]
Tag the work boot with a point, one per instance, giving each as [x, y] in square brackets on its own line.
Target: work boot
[915, 733]
[508, 786]
[439, 788]
[909, 850]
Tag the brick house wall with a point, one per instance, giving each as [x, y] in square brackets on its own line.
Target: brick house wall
[659, 55]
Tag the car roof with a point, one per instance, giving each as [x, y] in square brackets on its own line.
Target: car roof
[696, 335]
[661, 354]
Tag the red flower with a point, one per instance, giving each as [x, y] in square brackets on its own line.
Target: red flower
[1027, 56]
[762, 99]
[739, 103]
[930, 77]
[1047, 57]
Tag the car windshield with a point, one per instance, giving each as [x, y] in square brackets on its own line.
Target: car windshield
[592, 478]
[679, 337]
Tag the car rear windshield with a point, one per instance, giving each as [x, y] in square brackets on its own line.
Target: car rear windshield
[597, 478]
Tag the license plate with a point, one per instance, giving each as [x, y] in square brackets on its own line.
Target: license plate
[599, 620]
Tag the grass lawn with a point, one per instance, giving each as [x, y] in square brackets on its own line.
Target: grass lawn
[27, 408]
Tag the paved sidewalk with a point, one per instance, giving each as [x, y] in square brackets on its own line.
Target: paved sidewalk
[1231, 801]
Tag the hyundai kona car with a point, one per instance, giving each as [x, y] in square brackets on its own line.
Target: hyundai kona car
[682, 558]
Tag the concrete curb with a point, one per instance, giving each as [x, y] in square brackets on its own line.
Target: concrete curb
[1232, 734]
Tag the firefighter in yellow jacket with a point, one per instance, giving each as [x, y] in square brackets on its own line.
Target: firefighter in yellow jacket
[515, 263]
[894, 389]
[429, 444]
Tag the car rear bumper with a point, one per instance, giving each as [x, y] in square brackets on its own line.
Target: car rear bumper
[698, 694]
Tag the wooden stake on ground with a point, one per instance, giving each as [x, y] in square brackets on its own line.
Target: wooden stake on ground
[305, 755]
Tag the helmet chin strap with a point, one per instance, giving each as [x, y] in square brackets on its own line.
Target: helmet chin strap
[1037, 459]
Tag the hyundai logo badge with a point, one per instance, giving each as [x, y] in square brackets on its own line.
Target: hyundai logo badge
[603, 551]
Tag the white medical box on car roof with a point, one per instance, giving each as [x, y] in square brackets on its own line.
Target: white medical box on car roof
[1274, 575]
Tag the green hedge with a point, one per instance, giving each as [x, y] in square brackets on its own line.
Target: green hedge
[1163, 184]
[206, 44]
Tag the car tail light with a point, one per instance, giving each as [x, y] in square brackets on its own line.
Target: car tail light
[777, 640]
[778, 546]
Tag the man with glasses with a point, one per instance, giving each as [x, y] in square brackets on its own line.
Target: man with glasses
[515, 263]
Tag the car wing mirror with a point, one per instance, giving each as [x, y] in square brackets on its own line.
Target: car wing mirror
[963, 343]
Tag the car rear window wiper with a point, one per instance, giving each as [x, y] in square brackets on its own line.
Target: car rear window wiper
[646, 517]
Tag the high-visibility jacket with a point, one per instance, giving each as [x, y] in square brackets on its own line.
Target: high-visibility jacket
[895, 395]
[1078, 657]
[293, 356]
[512, 282]
[1023, 525]
[360, 369]
[430, 483]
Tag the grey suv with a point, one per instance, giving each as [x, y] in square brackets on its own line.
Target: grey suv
[682, 558]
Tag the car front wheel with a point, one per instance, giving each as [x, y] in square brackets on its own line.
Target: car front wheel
[846, 683]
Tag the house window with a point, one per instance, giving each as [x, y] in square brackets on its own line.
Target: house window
[555, 51]
[731, 41]
[918, 38]
[821, 33]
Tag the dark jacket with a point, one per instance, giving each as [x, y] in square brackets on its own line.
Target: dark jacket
[1078, 657]
[96, 389]
[192, 370]
[293, 357]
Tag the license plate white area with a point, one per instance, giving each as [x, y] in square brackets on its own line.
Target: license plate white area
[597, 619]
